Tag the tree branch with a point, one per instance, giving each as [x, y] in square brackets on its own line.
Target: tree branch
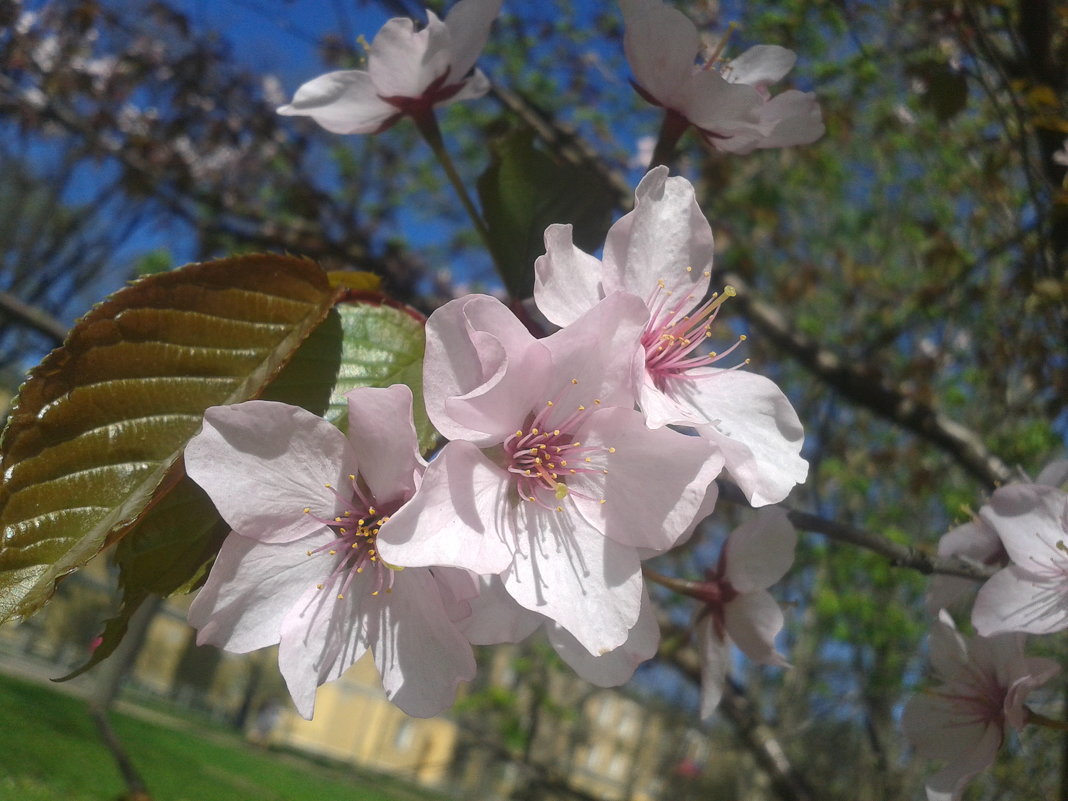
[32, 317]
[869, 389]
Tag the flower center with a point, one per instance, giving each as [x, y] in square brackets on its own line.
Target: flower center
[354, 548]
[545, 455]
[673, 337]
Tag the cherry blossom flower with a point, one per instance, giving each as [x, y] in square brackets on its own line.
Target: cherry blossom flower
[977, 541]
[1031, 594]
[309, 509]
[549, 464]
[408, 72]
[984, 683]
[661, 252]
[737, 606]
[730, 104]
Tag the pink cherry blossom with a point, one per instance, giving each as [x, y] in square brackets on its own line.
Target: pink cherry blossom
[661, 252]
[550, 466]
[730, 105]
[408, 72]
[984, 683]
[737, 606]
[309, 510]
[1031, 594]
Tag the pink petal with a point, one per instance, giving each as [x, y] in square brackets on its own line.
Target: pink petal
[567, 281]
[715, 664]
[497, 618]
[657, 480]
[791, 118]
[469, 24]
[480, 369]
[597, 361]
[661, 44]
[1055, 474]
[761, 65]
[617, 666]
[382, 432]
[1031, 521]
[249, 590]
[752, 621]
[976, 541]
[343, 102]
[455, 518]
[760, 551]
[946, 728]
[403, 62]
[721, 107]
[262, 463]
[1016, 600]
[752, 422]
[665, 242]
[321, 638]
[420, 653]
[567, 571]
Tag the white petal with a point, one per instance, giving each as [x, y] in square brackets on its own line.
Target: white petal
[382, 433]
[752, 621]
[1015, 600]
[403, 62]
[1032, 522]
[249, 590]
[617, 666]
[568, 572]
[760, 551]
[420, 653]
[262, 463]
[761, 65]
[655, 484]
[715, 664]
[457, 518]
[753, 423]
[661, 44]
[496, 617]
[343, 102]
[481, 370]
[469, 24]
[567, 281]
[664, 245]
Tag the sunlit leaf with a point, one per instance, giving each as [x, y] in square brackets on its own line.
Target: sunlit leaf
[99, 423]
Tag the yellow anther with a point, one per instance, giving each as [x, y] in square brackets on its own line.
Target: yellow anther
[611, 450]
[559, 508]
[530, 498]
[605, 471]
[337, 520]
[519, 433]
[374, 592]
[371, 510]
[352, 477]
[563, 462]
[597, 401]
[582, 408]
[340, 597]
[534, 431]
[689, 269]
[328, 486]
[574, 380]
[548, 403]
[748, 360]
[556, 432]
[560, 491]
[708, 274]
[333, 552]
[307, 510]
[729, 291]
[309, 553]
[742, 338]
[603, 500]
[587, 459]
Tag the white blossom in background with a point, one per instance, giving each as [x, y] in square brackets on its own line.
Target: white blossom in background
[408, 72]
[983, 685]
[661, 253]
[1030, 594]
[737, 606]
[729, 103]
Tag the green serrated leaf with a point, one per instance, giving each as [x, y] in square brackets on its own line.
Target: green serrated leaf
[97, 426]
[367, 343]
[523, 191]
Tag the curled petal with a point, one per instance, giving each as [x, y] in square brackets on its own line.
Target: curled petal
[469, 24]
[661, 44]
[715, 664]
[567, 281]
[344, 102]
[753, 620]
[403, 62]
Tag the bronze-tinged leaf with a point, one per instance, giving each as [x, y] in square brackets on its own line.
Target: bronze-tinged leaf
[99, 423]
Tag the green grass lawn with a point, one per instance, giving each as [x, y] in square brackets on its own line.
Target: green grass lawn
[49, 751]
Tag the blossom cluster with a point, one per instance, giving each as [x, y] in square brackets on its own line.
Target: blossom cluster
[985, 680]
[564, 469]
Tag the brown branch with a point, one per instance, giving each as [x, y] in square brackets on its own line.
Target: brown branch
[869, 389]
[32, 317]
[899, 555]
